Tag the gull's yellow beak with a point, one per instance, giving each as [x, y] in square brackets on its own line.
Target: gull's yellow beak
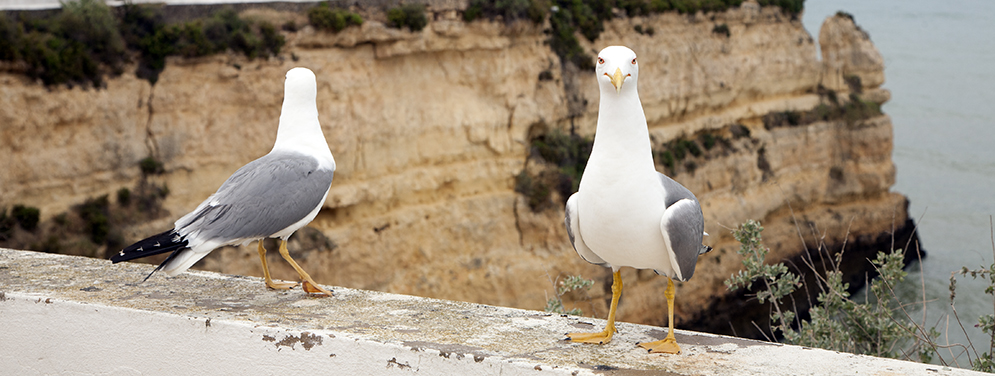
[617, 80]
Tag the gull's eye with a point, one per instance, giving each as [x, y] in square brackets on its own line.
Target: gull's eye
[633, 61]
[601, 61]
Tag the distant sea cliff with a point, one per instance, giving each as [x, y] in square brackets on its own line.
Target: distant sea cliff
[443, 186]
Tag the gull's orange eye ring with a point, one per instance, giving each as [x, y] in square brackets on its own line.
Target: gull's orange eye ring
[601, 61]
[633, 61]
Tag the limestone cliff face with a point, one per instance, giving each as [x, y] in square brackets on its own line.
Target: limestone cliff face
[429, 130]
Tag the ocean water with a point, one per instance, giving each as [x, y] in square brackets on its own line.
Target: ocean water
[939, 58]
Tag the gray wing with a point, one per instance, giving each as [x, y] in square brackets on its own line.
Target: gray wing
[683, 224]
[674, 191]
[572, 222]
[261, 198]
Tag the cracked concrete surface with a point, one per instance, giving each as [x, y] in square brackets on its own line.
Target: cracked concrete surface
[73, 314]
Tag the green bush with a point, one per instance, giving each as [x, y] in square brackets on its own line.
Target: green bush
[7, 224]
[535, 190]
[634, 8]
[668, 160]
[586, 15]
[94, 213]
[564, 43]
[86, 41]
[91, 24]
[671, 153]
[10, 36]
[509, 10]
[784, 119]
[124, 196]
[985, 360]
[837, 323]
[569, 153]
[150, 166]
[721, 29]
[563, 158]
[707, 141]
[475, 10]
[142, 28]
[792, 7]
[573, 283]
[69, 47]
[411, 16]
[26, 216]
[273, 41]
[851, 112]
[324, 17]
[853, 82]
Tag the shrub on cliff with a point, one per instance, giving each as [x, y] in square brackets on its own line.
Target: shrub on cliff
[85, 41]
[721, 29]
[560, 160]
[142, 29]
[77, 46]
[792, 7]
[411, 16]
[509, 10]
[852, 112]
[571, 16]
[26, 216]
[324, 17]
[7, 224]
[9, 37]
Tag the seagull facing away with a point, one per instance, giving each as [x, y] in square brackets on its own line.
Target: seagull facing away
[271, 197]
[625, 213]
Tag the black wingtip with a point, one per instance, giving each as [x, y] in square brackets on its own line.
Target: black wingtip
[704, 249]
[164, 262]
[167, 241]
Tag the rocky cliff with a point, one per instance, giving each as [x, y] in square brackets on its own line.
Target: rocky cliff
[430, 128]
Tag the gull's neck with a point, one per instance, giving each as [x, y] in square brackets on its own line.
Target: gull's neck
[622, 142]
[300, 131]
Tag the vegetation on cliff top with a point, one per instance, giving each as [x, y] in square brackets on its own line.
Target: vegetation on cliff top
[411, 16]
[87, 40]
[144, 29]
[78, 45]
[568, 17]
[326, 17]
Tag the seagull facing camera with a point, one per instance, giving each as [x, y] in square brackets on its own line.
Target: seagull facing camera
[625, 213]
[270, 197]
[617, 64]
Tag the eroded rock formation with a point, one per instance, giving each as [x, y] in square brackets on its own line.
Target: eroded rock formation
[429, 130]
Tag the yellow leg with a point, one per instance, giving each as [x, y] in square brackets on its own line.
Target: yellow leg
[606, 335]
[269, 281]
[310, 286]
[667, 345]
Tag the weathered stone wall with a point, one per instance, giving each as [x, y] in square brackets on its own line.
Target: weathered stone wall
[429, 130]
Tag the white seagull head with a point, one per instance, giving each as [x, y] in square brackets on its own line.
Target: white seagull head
[300, 86]
[299, 129]
[617, 70]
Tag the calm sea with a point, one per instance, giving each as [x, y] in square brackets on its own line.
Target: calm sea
[939, 58]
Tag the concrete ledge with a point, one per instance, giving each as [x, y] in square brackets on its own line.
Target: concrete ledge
[65, 314]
